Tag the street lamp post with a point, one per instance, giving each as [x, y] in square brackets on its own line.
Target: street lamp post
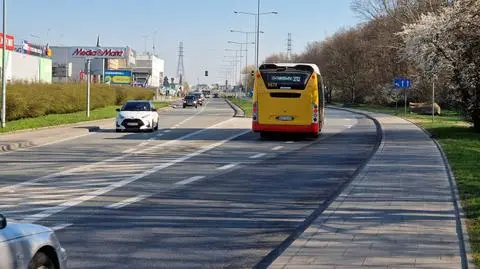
[236, 61]
[246, 57]
[4, 80]
[257, 17]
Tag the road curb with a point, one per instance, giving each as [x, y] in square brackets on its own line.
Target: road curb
[238, 110]
[332, 201]
[461, 220]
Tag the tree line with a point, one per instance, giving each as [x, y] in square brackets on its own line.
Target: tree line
[432, 42]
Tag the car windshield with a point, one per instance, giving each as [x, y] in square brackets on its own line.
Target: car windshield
[190, 97]
[136, 106]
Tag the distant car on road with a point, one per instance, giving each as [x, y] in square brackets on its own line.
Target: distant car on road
[29, 246]
[190, 100]
[200, 97]
[137, 115]
[215, 95]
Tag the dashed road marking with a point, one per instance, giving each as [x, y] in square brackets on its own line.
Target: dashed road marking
[61, 226]
[228, 166]
[189, 180]
[277, 148]
[78, 200]
[289, 142]
[259, 155]
[127, 201]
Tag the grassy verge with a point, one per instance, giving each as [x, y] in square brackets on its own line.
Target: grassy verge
[462, 147]
[58, 119]
[244, 104]
[161, 104]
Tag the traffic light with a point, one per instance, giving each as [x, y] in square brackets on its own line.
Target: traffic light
[206, 73]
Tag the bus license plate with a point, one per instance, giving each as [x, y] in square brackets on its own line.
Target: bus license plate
[285, 118]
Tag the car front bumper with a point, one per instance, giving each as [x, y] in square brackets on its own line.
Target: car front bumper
[133, 124]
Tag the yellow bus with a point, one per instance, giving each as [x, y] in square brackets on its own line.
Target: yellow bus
[288, 98]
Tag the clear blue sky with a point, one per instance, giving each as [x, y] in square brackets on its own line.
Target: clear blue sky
[203, 25]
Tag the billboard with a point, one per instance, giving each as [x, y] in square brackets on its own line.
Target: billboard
[97, 52]
[118, 77]
[33, 49]
[10, 45]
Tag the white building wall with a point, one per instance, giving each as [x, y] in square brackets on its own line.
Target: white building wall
[28, 68]
[156, 67]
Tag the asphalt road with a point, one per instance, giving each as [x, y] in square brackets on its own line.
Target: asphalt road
[202, 192]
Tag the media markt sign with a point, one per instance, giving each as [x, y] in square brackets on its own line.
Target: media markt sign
[96, 52]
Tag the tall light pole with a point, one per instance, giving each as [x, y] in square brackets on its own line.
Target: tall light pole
[246, 52]
[237, 61]
[246, 41]
[257, 17]
[4, 77]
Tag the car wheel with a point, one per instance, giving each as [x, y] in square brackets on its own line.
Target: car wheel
[184, 106]
[156, 126]
[41, 261]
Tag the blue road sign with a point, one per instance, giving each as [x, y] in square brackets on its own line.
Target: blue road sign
[402, 83]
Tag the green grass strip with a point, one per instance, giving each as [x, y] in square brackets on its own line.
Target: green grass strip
[245, 104]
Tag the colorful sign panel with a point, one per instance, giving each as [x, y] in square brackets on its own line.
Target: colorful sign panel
[10, 45]
[97, 52]
[123, 77]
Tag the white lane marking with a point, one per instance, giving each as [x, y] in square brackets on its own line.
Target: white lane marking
[61, 226]
[128, 150]
[167, 131]
[78, 200]
[228, 166]
[189, 180]
[114, 159]
[349, 126]
[289, 142]
[277, 148]
[259, 155]
[127, 201]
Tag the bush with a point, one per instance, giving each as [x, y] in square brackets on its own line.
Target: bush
[33, 100]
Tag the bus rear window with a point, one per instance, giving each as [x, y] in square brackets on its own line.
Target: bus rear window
[285, 80]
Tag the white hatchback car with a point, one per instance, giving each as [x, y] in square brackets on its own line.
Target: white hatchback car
[29, 246]
[137, 115]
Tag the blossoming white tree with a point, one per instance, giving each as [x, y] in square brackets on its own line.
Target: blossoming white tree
[448, 44]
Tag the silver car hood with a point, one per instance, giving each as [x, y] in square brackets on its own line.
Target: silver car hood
[18, 230]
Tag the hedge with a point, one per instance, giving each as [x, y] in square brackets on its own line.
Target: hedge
[34, 100]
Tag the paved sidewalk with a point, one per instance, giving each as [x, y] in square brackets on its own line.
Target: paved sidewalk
[398, 213]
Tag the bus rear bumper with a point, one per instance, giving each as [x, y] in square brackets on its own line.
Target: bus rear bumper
[312, 128]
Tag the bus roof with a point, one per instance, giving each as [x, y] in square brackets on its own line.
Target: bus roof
[313, 66]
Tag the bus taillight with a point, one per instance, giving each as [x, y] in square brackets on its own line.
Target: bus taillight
[315, 113]
[255, 111]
